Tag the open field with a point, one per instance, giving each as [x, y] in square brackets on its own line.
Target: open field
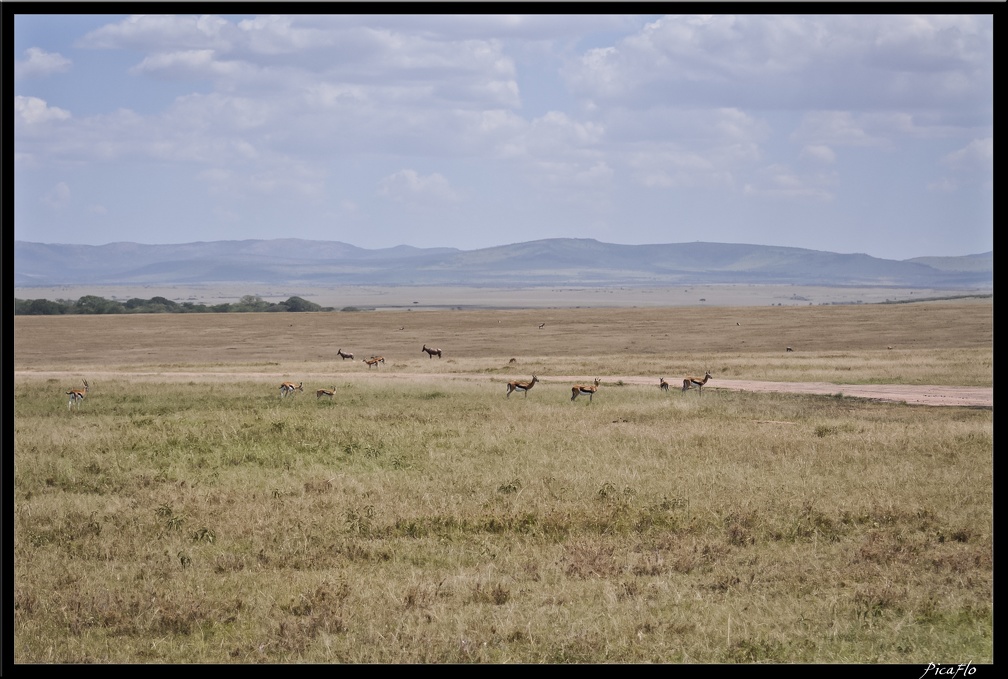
[185, 512]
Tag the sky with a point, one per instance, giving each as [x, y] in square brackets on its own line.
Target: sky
[842, 133]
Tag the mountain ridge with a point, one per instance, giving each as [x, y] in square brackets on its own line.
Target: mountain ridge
[551, 261]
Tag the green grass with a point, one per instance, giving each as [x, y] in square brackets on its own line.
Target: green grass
[407, 522]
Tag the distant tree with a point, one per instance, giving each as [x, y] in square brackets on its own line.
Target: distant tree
[299, 304]
[92, 304]
[163, 301]
[252, 303]
[38, 307]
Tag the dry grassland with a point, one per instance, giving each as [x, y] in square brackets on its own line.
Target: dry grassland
[186, 513]
[736, 342]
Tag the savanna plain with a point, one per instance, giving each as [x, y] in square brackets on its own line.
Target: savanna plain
[185, 512]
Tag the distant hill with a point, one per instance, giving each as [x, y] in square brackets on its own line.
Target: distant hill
[554, 261]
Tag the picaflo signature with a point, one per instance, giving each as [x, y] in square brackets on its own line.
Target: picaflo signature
[949, 670]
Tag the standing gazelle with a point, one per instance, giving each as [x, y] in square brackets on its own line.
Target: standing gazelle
[579, 389]
[288, 388]
[521, 386]
[663, 384]
[431, 353]
[690, 381]
[77, 395]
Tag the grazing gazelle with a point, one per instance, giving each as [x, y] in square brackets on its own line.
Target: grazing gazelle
[521, 386]
[344, 354]
[77, 395]
[319, 393]
[663, 384]
[288, 388]
[431, 353]
[699, 382]
[579, 389]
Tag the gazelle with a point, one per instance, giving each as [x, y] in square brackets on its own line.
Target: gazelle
[344, 354]
[288, 388]
[579, 389]
[77, 395]
[521, 386]
[431, 352]
[373, 361]
[663, 384]
[690, 381]
[319, 393]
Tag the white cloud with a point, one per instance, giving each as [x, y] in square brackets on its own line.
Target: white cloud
[58, 196]
[409, 186]
[32, 110]
[779, 181]
[38, 62]
[836, 128]
[819, 153]
[158, 32]
[977, 155]
[794, 62]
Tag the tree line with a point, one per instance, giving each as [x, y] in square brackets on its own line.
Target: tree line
[92, 304]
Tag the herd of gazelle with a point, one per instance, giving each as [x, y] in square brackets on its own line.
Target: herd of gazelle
[289, 388]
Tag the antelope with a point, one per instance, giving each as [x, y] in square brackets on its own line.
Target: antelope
[288, 388]
[319, 393]
[579, 389]
[663, 384]
[699, 382]
[373, 361]
[521, 386]
[344, 354]
[788, 349]
[77, 395]
[431, 353]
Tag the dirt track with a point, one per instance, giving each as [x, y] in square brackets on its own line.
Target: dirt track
[930, 395]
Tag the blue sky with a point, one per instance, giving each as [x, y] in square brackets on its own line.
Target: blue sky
[844, 133]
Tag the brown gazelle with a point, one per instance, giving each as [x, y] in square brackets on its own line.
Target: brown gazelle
[431, 352]
[521, 386]
[373, 361]
[319, 393]
[77, 395]
[663, 384]
[344, 354]
[288, 388]
[579, 389]
[696, 381]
